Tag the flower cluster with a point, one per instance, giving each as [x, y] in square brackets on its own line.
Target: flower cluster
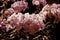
[52, 10]
[16, 7]
[5, 26]
[30, 22]
[14, 23]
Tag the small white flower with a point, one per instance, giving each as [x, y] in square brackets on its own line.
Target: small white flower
[36, 2]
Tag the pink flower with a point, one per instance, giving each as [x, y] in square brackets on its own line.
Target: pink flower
[51, 10]
[29, 22]
[35, 2]
[32, 23]
[19, 6]
[16, 19]
[55, 10]
[38, 2]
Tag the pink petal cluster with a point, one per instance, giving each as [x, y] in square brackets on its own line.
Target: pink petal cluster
[16, 7]
[51, 10]
[38, 2]
[33, 23]
[19, 6]
[16, 19]
[4, 26]
[30, 22]
[55, 10]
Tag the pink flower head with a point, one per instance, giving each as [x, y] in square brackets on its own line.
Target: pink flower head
[55, 10]
[16, 19]
[19, 6]
[38, 2]
[29, 22]
[32, 23]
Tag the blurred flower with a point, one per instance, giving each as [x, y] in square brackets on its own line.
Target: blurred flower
[55, 10]
[38, 2]
[16, 19]
[51, 10]
[30, 23]
[19, 6]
